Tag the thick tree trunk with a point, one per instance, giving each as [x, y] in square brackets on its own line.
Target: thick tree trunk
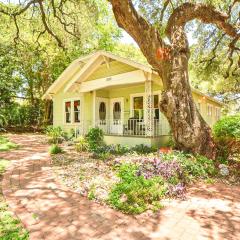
[190, 131]
[48, 113]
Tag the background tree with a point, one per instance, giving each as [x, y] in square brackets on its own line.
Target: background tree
[209, 69]
[40, 46]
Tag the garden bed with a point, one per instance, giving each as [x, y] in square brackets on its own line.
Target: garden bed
[167, 174]
[132, 180]
[85, 174]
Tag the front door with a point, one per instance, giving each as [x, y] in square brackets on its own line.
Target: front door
[102, 113]
[116, 115]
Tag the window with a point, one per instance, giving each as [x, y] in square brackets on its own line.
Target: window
[72, 111]
[117, 111]
[209, 110]
[68, 112]
[217, 113]
[199, 106]
[102, 111]
[138, 107]
[156, 110]
[77, 111]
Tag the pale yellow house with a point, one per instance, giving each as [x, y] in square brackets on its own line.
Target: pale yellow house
[119, 96]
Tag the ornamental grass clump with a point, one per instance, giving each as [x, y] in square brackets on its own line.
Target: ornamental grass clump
[55, 135]
[55, 149]
[81, 144]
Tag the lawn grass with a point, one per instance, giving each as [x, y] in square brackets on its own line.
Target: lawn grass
[6, 145]
[10, 227]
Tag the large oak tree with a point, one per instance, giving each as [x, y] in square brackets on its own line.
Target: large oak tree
[190, 131]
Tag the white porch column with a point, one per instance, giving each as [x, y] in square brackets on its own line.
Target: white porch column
[94, 109]
[149, 120]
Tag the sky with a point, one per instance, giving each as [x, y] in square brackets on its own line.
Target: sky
[126, 38]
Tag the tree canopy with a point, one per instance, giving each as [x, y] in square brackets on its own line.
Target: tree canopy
[32, 57]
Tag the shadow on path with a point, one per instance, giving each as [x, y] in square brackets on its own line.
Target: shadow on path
[51, 211]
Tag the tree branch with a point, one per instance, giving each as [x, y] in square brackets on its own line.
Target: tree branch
[64, 24]
[43, 15]
[147, 36]
[205, 13]
[163, 9]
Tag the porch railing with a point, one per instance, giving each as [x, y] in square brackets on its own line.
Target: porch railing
[130, 127]
[133, 127]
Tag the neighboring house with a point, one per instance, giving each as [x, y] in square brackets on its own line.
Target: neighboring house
[119, 96]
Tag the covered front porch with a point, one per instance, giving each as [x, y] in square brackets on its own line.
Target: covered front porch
[127, 110]
[123, 95]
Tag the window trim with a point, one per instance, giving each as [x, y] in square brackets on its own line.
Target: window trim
[210, 106]
[79, 111]
[217, 113]
[72, 122]
[199, 106]
[142, 94]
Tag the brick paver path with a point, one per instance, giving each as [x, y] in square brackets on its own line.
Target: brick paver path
[50, 211]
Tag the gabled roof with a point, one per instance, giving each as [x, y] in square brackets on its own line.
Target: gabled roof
[82, 68]
[81, 65]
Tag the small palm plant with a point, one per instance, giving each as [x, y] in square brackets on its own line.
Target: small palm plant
[56, 134]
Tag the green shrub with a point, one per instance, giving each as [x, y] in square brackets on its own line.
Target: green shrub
[95, 139]
[55, 149]
[3, 121]
[193, 166]
[227, 136]
[228, 128]
[81, 144]
[55, 134]
[135, 194]
[143, 149]
[118, 149]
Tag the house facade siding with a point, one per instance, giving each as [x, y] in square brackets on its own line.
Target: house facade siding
[106, 78]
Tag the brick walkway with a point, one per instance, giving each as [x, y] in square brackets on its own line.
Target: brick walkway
[50, 211]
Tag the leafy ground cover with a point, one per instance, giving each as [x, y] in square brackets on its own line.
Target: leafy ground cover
[133, 180]
[134, 183]
[6, 145]
[10, 227]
